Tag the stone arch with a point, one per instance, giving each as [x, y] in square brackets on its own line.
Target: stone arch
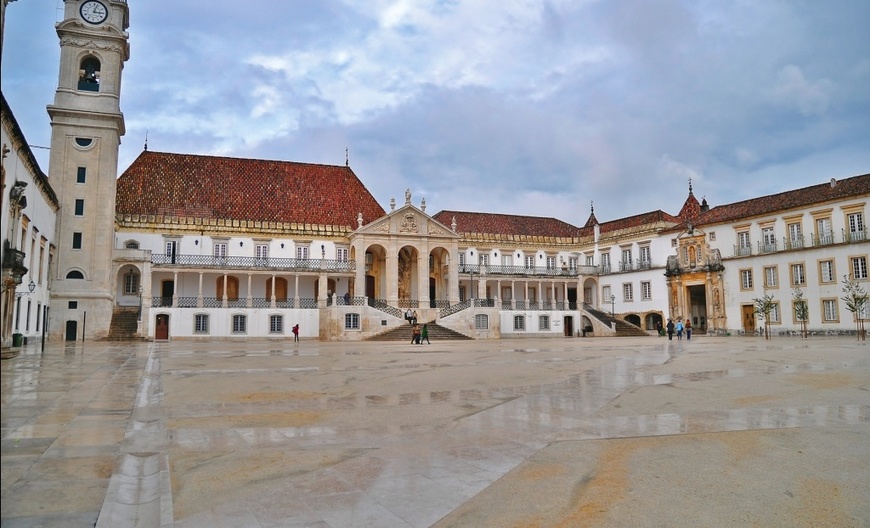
[375, 262]
[408, 276]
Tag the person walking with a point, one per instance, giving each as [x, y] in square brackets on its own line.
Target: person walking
[688, 330]
[415, 335]
[424, 334]
[679, 329]
[670, 330]
[296, 332]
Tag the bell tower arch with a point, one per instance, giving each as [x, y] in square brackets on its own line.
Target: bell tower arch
[86, 129]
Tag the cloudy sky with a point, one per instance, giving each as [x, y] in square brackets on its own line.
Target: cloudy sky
[509, 106]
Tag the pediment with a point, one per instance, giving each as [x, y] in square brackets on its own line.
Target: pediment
[409, 221]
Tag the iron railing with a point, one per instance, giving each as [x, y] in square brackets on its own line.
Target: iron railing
[270, 263]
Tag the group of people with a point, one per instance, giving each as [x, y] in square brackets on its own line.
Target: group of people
[411, 317]
[420, 334]
[677, 328]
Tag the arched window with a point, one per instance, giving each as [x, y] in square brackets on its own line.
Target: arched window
[232, 288]
[89, 74]
[131, 244]
[74, 274]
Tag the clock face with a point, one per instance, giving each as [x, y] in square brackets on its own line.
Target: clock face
[93, 12]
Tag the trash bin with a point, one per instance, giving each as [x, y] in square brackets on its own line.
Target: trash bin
[17, 339]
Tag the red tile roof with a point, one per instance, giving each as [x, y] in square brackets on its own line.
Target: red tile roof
[509, 225]
[855, 186]
[186, 185]
[651, 219]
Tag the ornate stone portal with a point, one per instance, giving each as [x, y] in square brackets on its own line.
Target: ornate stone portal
[695, 282]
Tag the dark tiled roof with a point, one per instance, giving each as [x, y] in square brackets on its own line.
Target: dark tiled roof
[634, 223]
[817, 194]
[186, 185]
[509, 225]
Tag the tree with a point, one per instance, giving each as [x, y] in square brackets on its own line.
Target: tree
[801, 310]
[855, 297]
[763, 307]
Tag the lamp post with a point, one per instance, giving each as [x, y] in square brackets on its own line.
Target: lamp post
[30, 287]
[139, 315]
[612, 301]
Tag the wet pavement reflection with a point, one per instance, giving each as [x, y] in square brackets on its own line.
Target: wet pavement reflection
[266, 434]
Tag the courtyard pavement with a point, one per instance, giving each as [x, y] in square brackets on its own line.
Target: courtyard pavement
[598, 432]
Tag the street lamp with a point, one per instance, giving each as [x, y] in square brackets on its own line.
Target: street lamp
[139, 315]
[31, 287]
[612, 300]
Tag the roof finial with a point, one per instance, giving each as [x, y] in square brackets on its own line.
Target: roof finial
[146, 140]
[592, 206]
[346, 157]
[690, 185]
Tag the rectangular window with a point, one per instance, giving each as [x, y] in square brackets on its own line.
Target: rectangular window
[507, 260]
[798, 309]
[81, 175]
[798, 275]
[341, 254]
[484, 259]
[590, 260]
[220, 249]
[240, 324]
[80, 207]
[771, 279]
[646, 290]
[645, 259]
[77, 241]
[351, 321]
[746, 279]
[200, 324]
[171, 248]
[829, 308]
[302, 252]
[544, 322]
[826, 271]
[572, 263]
[628, 291]
[774, 313]
[276, 324]
[795, 236]
[626, 259]
[41, 260]
[519, 322]
[261, 251]
[859, 268]
[131, 284]
[530, 261]
[712, 236]
[38, 313]
[768, 239]
[824, 232]
[461, 258]
[606, 293]
[481, 322]
[73, 305]
[744, 246]
[856, 227]
[551, 263]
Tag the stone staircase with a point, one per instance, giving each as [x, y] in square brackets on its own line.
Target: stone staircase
[623, 328]
[124, 325]
[403, 333]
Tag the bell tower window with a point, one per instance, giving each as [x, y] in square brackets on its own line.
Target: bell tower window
[89, 74]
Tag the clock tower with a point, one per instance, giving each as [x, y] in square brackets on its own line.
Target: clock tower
[86, 129]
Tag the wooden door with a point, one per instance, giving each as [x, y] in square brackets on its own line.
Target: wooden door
[280, 289]
[748, 318]
[161, 331]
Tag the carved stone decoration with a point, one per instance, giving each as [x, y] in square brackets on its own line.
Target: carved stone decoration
[423, 205]
[392, 204]
[409, 223]
[383, 227]
[359, 220]
[453, 224]
[408, 196]
[435, 231]
[90, 44]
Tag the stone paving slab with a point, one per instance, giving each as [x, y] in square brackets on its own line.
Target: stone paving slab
[717, 431]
